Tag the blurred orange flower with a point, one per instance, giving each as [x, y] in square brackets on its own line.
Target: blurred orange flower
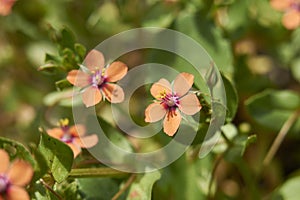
[13, 177]
[5, 6]
[73, 136]
[291, 9]
[97, 81]
[169, 98]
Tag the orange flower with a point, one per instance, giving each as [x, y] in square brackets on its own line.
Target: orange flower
[169, 100]
[73, 136]
[97, 82]
[5, 6]
[291, 9]
[13, 177]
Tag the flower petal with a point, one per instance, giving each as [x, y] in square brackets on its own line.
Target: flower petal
[17, 193]
[189, 104]
[91, 96]
[79, 78]
[77, 130]
[4, 157]
[55, 132]
[116, 71]
[113, 93]
[291, 19]
[160, 87]
[280, 5]
[87, 141]
[182, 83]
[172, 122]
[154, 112]
[94, 60]
[5, 7]
[20, 173]
[75, 148]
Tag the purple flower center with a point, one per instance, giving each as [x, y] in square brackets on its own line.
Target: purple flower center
[98, 79]
[170, 101]
[296, 6]
[66, 137]
[4, 184]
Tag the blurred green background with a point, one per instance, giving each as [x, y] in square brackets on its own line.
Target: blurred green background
[257, 54]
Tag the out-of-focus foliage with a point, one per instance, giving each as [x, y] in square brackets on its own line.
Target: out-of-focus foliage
[259, 59]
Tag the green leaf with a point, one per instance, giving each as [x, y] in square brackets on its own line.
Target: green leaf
[209, 36]
[16, 150]
[67, 38]
[98, 188]
[159, 15]
[231, 98]
[58, 155]
[289, 190]
[141, 189]
[50, 68]
[295, 68]
[80, 50]
[62, 84]
[64, 98]
[272, 108]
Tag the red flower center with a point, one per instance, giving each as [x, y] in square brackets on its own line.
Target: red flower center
[4, 184]
[170, 101]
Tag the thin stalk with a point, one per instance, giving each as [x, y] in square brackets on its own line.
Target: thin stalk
[97, 172]
[124, 188]
[281, 135]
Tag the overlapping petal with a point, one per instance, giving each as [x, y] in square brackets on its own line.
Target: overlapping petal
[17, 193]
[116, 71]
[113, 93]
[87, 141]
[171, 123]
[160, 87]
[154, 112]
[4, 161]
[75, 148]
[183, 83]
[91, 96]
[79, 78]
[291, 19]
[77, 130]
[281, 5]
[94, 60]
[55, 132]
[20, 173]
[189, 104]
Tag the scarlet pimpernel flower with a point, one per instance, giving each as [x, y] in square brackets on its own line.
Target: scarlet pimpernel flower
[73, 136]
[13, 177]
[97, 81]
[171, 101]
[5, 6]
[291, 9]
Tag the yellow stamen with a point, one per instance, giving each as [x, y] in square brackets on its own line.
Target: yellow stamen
[63, 122]
[162, 94]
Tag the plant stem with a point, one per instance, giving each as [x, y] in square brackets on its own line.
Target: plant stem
[96, 172]
[50, 189]
[124, 188]
[281, 135]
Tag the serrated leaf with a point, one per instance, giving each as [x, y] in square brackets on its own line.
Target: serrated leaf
[141, 189]
[67, 38]
[16, 150]
[58, 156]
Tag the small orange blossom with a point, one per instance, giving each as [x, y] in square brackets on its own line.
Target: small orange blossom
[13, 177]
[73, 136]
[170, 100]
[97, 83]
